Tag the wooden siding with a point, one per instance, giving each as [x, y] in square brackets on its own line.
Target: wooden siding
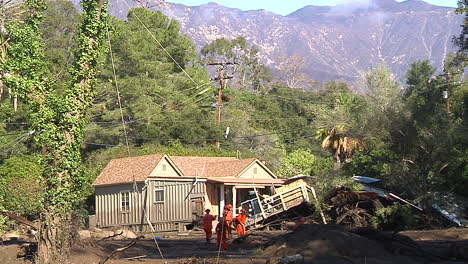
[164, 169]
[109, 208]
[261, 173]
[180, 199]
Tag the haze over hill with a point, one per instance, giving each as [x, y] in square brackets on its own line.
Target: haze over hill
[337, 42]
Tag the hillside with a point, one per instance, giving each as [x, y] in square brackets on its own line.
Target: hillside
[336, 42]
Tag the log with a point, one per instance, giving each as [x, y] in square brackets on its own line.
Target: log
[122, 249]
[19, 219]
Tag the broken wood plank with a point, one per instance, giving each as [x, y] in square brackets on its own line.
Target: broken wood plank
[19, 218]
[137, 257]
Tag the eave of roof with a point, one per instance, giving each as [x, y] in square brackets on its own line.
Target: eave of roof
[227, 180]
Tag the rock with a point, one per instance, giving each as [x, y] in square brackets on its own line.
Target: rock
[10, 236]
[294, 259]
[124, 234]
[103, 234]
[84, 234]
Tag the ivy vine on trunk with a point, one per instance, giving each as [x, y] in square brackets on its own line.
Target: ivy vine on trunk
[57, 122]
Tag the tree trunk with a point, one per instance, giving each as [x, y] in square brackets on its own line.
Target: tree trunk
[54, 238]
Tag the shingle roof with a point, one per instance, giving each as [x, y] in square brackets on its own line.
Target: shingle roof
[193, 165]
[125, 169]
[139, 168]
[230, 168]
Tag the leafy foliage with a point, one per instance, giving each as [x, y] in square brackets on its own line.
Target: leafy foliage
[401, 134]
[303, 161]
[394, 218]
[20, 185]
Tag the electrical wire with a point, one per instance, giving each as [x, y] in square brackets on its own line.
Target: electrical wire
[117, 89]
[17, 141]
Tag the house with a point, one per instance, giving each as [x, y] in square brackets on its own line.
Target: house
[173, 191]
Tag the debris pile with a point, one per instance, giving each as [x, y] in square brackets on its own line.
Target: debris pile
[351, 208]
[339, 244]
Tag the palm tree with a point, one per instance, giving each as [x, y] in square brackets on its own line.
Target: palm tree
[340, 143]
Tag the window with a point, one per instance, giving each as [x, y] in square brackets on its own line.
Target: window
[255, 170]
[164, 167]
[125, 201]
[159, 195]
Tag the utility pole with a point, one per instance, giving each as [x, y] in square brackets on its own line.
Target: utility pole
[222, 77]
[447, 93]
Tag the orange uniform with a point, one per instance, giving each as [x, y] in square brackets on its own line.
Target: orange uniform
[241, 221]
[222, 233]
[208, 225]
[229, 217]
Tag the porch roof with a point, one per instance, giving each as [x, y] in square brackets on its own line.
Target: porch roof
[231, 180]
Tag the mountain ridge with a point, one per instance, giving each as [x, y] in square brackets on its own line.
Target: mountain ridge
[336, 42]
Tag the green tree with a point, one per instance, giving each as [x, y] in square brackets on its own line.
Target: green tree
[159, 101]
[57, 121]
[249, 72]
[61, 21]
[337, 124]
[303, 161]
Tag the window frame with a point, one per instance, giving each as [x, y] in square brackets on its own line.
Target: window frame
[128, 203]
[159, 189]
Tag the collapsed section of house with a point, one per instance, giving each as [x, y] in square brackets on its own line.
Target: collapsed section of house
[171, 192]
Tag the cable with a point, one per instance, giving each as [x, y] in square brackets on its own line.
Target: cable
[11, 134]
[184, 121]
[199, 139]
[17, 141]
[205, 139]
[123, 121]
[200, 120]
[117, 89]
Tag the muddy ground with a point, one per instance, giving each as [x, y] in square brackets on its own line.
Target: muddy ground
[316, 243]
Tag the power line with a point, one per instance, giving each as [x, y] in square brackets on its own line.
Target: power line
[183, 121]
[117, 89]
[193, 140]
[16, 142]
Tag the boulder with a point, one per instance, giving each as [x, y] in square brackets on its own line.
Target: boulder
[103, 234]
[84, 234]
[124, 234]
[10, 236]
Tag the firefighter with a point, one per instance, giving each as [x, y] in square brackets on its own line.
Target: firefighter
[241, 221]
[208, 225]
[222, 233]
[229, 217]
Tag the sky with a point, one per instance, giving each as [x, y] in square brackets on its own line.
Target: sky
[285, 7]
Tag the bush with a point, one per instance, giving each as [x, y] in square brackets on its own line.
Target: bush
[20, 185]
[5, 223]
[393, 218]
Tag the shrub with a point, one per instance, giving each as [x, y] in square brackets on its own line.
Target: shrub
[20, 185]
[393, 218]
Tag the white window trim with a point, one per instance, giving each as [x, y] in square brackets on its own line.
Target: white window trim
[163, 194]
[129, 201]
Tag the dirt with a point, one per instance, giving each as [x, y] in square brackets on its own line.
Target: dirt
[316, 243]
[338, 244]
